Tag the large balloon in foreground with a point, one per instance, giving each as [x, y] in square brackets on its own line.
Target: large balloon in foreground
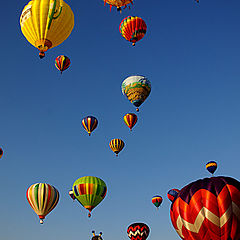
[116, 145]
[118, 3]
[1, 152]
[133, 29]
[46, 23]
[138, 231]
[172, 194]
[157, 200]
[137, 89]
[208, 209]
[130, 119]
[62, 63]
[43, 198]
[89, 123]
[211, 166]
[89, 191]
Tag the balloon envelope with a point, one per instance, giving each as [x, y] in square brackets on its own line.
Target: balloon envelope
[89, 123]
[130, 119]
[136, 89]
[89, 191]
[157, 200]
[46, 23]
[118, 3]
[133, 29]
[211, 166]
[208, 209]
[116, 145]
[62, 63]
[172, 194]
[138, 231]
[43, 198]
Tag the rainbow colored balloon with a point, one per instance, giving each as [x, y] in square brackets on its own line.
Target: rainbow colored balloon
[172, 194]
[208, 209]
[89, 123]
[130, 119]
[157, 201]
[137, 89]
[42, 198]
[62, 63]
[133, 29]
[89, 191]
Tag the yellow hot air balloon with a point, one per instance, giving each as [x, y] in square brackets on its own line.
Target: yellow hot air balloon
[46, 23]
[116, 145]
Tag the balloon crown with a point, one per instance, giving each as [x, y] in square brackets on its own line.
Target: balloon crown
[96, 237]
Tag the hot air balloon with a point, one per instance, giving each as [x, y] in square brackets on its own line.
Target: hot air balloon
[43, 198]
[133, 29]
[46, 23]
[116, 145]
[208, 209]
[211, 166]
[1, 152]
[137, 89]
[97, 237]
[138, 231]
[62, 63]
[172, 194]
[157, 200]
[89, 123]
[71, 194]
[89, 191]
[118, 3]
[130, 120]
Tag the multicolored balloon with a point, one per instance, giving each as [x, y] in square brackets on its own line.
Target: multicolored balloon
[46, 23]
[1, 152]
[118, 3]
[137, 89]
[208, 209]
[130, 119]
[97, 237]
[116, 145]
[89, 191]
[133, 29]
[71, 194]
[138, 231]
[157, 201]
[43, 198]
[89, 123]
[172, 194]
[62, 63]
[211, 166]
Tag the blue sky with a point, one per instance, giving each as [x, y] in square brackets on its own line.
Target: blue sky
[191, 56]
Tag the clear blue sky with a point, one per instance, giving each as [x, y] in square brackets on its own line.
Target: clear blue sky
[191, 55]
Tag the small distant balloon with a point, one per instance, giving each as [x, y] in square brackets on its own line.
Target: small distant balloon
[130, 119]
[89, 123]
[172, 194]
[118, 3]
[62, 63]
[211, 166]
[157, 200]
[116, 145]
[97, 237]
[1, 152]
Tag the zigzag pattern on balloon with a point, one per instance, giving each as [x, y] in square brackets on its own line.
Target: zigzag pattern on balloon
[207, 214]
[135, 233]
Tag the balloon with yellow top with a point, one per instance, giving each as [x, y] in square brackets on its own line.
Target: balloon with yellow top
[46, 23]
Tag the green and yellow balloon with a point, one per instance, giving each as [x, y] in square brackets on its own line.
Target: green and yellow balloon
[89, 191]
